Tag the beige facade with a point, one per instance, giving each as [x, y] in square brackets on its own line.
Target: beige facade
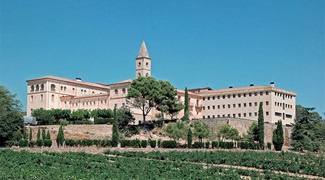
[51, 92]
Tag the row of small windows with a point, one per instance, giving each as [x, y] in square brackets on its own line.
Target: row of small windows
[239, 115]
[139, 64]
[235, 95]
[37, 87]
[147, 74]
[283, 95]
[89, 103]
[32, 98]
[283, 105]
[239, 105]
[123, 91]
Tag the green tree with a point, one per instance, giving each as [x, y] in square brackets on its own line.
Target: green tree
[142, 94]
[17, 135]
[124, 117]
[260, 125]
[43, 117]
[115, 136]
[11, 118]
[48, 135]
[252, 133]
[277, 137]
[30, 134]
[186, 116]
[43, 134]
[38, 133]
[176, 130]
[60, 137]
[80, 114]
[189, 138]
[201, 130]
[101, 113]
[25, 133]
[225, 131]
[308, 130]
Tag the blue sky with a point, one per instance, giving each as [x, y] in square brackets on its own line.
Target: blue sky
[192, 43]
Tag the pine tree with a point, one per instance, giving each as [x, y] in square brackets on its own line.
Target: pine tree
[60, 137]
[278, 139]
[30, 134]
[189, 138]
[186, 111]
[115, 136]
[261, 126]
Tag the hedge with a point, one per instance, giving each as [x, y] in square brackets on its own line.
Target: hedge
[168, 144]
[144, 143]
[103, 121]
[88, 142]
[82, 122]
[23, 143]
[198, 145]
[152, 143]
[131, 143]
[47, 142]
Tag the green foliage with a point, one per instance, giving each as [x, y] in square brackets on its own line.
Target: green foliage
[124, 117]
[226, 145]
[136, 143]
[308, 131]
[176, 130]
[144, 143]
[215, 144]
[152, 143]
[48, 135]
[32, 143]
[60, 137]
[186, 116]
[11, 118]
[102, 113]
[201, 130]
[168, 144]
[142, 94]
[23, 143]
[17, 135]
[38, 133]
[47, 142]
[43, 117]
[80, 114]
[189, 138]
[260, 125]
[10, 143]
[198, 145]
[225, 131]
[207, 145]
[248, 145]
[39, 142]
[25, 135]
[63, 122]
[115, 136]
[103, 121]
[252, 133]
[43, 134]
[269, 146]
[82, 122]
[60, 114]
[277, 137]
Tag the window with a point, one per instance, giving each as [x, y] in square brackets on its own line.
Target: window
[250, 114]
[239, 115]
[244, 94]
[73, 89]
[228, 96]
[255, 103]
[52, 97]
[228, 115]
[213, 97]
[139, 64]
[288, 116]
[52, 87]
[203, 98]
[244, 114]
[31, 98]
[37, 87]
[203, 107]
[218, 106]
[239, 105]
[213, 116]
[147, 64]
[208, 97]
[123, 104]
[32, 88]
[42, 87]
[147, 74]
[41, 97]
[218, 116]
[250, 104]
[218, 97]
[267, 113]
[223, 106]
[239, 95]
[208, 117]
[234, 105]
[277, 114]
[234, 96]
[61, 88]
[213, 107]
[123, 90]
[244, 104]
[116, 91]
[261, 93]
[255, 93]
[267, 93]
[223, 97]
[234, 115]
[250, 94]
[223, 115]
[139, 74]
[93, 92]
[208, 107]
[267, 103]
[255, 113]
[65, 88]
[203, 117]
[228, 105]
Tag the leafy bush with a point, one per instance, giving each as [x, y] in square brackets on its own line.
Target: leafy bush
[159, 143]
[198, 145]
[215, 144]
[152, 143]
[23, 143]
[207, 145]
[47, 142]
[106, 143]
[64, 122]
[17, 135]
[32, 143]
[83, 122]
[10, 143]
[226, 145]
[103, 121]
[168, 144]
[70, 142]
[39, 142]
[144, 143]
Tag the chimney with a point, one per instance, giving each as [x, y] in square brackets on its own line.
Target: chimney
[230, 87]
[272, 84]
[251, 85]
[78, 79]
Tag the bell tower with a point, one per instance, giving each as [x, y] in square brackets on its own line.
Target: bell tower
[143, 62]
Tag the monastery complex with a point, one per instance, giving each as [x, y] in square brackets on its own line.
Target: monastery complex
[51, 92]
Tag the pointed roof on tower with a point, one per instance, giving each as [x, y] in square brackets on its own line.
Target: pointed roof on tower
[143, 51]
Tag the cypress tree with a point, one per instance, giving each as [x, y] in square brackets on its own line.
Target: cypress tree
[260, 125]
[30, 134]
[48, 136]
[278, 139]
[43, 134]
[60, 137]
[189, 138]
[115, 136]
[25, 135]
[186, 111]
[38, 133]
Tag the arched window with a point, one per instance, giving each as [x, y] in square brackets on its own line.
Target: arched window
[139, 74]
[52, 87]
[32, 88]
[147, 64]
[139, 64]
[123, 90]
[116, 91]
[37, 87]
[42, 87]
[147, 74]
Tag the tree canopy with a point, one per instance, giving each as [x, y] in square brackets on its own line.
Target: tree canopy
[228, 132]
[277, 137]
[11, 118]
[260, 126]
[177, 130]
[201, 130]
[252, 133]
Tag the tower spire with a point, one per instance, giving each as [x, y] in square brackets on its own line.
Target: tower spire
[143, 51]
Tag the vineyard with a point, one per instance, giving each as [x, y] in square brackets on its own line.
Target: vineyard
[159, 165]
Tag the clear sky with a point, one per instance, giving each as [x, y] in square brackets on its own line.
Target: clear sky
[192, 43]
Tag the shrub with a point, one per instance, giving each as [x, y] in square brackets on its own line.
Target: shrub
[152, 143]
[207, 145]
[168, 144]
[106, 143]
[60, 137]
[83, 122]
[17, 135]
[226, 145]
[47, 142]
[103, 121]
[144, 143]
[215, 144]
[198, 145]
[64, 122]
[39, 142]
[87, 142]
[269, 145]
[70, 142]
[10, 143]
[23, 143]
[159, 143]
[32, 143]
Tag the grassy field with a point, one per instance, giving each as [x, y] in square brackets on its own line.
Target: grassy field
[160, 165]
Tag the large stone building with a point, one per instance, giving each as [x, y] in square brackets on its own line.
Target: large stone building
[51, 92]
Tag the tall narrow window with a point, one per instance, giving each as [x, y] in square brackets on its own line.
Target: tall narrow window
[31, 98]
[52, 97]
[41, 97]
